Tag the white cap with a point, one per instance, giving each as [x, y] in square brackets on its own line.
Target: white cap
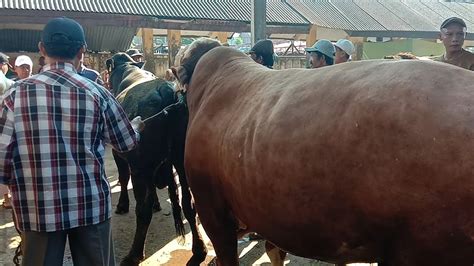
[23, 60]
[345, 45]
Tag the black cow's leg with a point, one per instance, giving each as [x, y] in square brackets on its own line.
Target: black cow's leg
[199, 248]
[124, 175]
[143, 190]
[156, 201]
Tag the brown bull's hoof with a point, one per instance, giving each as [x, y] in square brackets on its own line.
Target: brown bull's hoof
[199, 253]
[196, 260]
[129, 261]
[121, 210]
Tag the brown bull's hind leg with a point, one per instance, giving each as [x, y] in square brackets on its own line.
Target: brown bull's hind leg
[219, 223]
[142, 189]
[124, 176]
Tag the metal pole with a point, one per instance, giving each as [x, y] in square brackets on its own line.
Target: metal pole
[259, 19]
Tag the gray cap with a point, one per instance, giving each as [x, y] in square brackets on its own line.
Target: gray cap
[323, 46]
[133, 52]
[452, 20]
[4, 58]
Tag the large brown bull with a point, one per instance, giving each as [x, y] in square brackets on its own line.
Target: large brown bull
[359, 162]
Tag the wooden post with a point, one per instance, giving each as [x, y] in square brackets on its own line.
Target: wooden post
[312, 36]
[148, 50]
[359, 48]
[174, 44]
[259, 20]
[219, 35]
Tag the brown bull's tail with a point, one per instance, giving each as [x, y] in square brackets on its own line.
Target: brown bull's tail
[174, 198]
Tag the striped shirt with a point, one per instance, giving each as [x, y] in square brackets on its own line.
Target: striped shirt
[53, 128]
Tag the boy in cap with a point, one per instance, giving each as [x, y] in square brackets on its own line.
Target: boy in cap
[344, 50]
[262, 53]
[321, 54]
[452, 34]
[23, 67]
[52, 136]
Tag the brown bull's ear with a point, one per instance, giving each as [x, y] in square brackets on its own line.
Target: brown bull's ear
[169, 75]
[181, 75]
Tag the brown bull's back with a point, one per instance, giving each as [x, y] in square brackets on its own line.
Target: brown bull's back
[354, 159]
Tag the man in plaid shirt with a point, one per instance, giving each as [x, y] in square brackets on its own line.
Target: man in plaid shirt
[53, 128]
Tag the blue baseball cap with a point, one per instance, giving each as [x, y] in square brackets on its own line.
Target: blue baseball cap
[323, 46]
[63, 31]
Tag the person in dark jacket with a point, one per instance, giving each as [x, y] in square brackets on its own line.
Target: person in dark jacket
[262, 53]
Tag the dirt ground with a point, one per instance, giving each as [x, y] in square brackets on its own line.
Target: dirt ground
[162, 247]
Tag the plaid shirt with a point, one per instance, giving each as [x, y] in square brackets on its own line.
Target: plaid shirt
[53, 127]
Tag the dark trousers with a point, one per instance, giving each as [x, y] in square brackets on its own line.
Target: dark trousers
[90, 246]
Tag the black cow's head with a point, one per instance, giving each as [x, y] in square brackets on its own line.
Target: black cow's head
[116, 66]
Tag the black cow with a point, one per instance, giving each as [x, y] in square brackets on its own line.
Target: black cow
[161, 147]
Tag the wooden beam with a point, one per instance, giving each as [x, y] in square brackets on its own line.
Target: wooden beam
[259, 20]
[221, 36]
[174, 44]
[148, 50]
[312, 36]
[403, 34]
[359, 48]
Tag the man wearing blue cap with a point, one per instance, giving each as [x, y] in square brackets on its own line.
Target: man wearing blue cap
[452, 34]
[321, 54]
[53, 129]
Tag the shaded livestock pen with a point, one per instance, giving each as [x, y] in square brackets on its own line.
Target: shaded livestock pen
[97, 61]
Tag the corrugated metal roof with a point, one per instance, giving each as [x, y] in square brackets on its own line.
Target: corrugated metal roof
[233, 10]
[408, 15]
[12, 40]
[383, 15]
[322, 13]
[99, 38]
[424, 11]
[102, 38]
[462, 10]
[363, 16]
[279, 12]
[357, 16]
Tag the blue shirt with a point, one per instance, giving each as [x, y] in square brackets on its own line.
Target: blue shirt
[90, 74]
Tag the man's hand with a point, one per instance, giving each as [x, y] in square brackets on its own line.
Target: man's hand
[138, 124]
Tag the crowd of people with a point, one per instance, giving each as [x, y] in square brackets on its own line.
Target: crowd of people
[55, 124]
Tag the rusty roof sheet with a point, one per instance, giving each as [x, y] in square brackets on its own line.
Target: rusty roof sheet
[99, 38]
[233, 10]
